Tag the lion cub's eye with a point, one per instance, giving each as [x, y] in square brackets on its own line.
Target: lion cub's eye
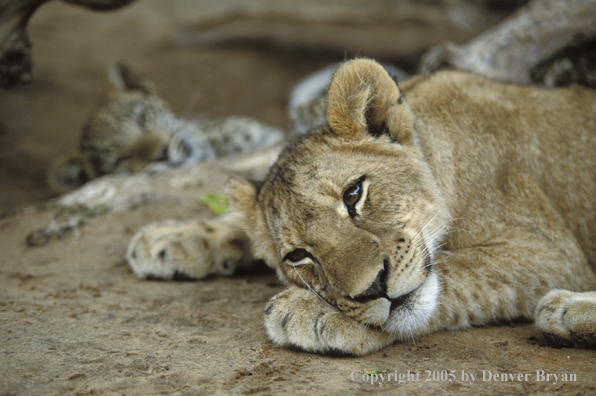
[353, 194]
[296, 255]
[142, 118]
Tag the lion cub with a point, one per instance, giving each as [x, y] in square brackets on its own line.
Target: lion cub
[448, 202]
[134, 130]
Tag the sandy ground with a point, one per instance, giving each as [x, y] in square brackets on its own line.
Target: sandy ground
[74, 320]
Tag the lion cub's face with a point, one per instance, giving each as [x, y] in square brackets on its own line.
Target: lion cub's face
[125, 133]
[132, 129]
[352, 211]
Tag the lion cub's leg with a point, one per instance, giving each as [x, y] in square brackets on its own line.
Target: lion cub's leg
[297, 317]
[192, 249]
[567, 318]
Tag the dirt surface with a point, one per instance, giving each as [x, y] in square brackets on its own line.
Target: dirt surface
[74, 320]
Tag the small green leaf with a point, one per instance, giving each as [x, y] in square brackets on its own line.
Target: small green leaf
[217, 203]
[375, 371]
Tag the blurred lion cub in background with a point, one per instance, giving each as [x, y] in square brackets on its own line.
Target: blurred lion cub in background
[134, 130]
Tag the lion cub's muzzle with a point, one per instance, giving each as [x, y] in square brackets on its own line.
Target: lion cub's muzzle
[378, 289]
[375, 305]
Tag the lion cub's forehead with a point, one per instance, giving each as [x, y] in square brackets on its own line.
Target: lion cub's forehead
[310, 173]
[304, 184]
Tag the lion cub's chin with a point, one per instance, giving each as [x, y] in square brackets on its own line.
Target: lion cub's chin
[376, 312]
[415, 313]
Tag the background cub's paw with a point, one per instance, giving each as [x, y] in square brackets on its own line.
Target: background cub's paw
[567, 318]
[296, 317]
[183, 250]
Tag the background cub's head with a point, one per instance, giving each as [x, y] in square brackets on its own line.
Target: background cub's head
[351, 210]
[132, 128]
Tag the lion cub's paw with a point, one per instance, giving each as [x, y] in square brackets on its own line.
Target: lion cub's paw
[192, 249]
[567, 318]
[298, 318]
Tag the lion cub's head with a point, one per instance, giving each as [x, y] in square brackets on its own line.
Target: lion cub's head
[132, 129]
[351, 210]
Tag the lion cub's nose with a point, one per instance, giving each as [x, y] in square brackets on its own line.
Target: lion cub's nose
[162, 154]
[378, 288]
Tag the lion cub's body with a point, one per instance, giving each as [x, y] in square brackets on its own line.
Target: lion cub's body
[134, 130]
[476, 201]
[495, 149]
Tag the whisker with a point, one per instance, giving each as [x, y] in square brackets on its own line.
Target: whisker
[459, 229]
[316, 294]
[427, 223]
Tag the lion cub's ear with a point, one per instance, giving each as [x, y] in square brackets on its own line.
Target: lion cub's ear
[363, 99]
[120, 77]
[243, 197]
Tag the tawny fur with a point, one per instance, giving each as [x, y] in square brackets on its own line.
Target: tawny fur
[477, 199]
